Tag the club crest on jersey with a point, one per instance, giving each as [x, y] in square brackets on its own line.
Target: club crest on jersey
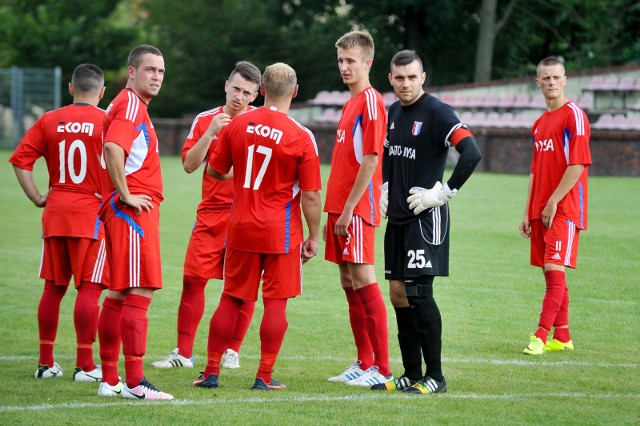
[417, 126]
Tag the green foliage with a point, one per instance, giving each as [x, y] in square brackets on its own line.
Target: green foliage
[489, 304]
[66, 33]
[202, 39]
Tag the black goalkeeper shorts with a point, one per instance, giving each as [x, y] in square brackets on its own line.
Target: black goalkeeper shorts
[418, 248]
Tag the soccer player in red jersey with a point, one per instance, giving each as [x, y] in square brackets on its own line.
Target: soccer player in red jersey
[205, 254]
[276, 172]
[353, 194]
[70, 140]
[556, 207]
[131, 216]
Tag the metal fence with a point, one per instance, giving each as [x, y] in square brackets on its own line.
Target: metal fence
[25, 94]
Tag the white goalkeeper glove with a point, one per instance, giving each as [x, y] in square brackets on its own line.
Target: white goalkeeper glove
[384, 199]
[422, 199]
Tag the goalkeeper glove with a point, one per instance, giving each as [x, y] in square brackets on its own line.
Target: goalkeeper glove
[422, 199]
[384, 199]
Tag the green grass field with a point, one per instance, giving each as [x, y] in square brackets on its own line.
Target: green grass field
[489, 305]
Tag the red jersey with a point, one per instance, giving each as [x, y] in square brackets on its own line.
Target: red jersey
[273, 158]
[70, 140]
[216, 195]
[361, 131]
[127, 124]
[560, 138]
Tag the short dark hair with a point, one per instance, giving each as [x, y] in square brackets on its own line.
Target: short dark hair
[135, 56]
[87, 78]
[405, 57]
[248, 71]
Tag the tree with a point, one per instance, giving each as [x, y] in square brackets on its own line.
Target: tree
[489, 29]
[49, 33]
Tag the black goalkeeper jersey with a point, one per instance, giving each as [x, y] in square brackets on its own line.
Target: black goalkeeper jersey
[415, 152]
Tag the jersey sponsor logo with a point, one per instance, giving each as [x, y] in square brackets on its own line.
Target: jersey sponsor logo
[341, 136]
[545, 145]
[417, 126]
[400, 151]
[75, 127]
[265, 132]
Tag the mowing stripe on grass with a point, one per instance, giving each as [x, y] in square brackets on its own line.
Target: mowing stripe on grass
[529, 361]
[301, 399]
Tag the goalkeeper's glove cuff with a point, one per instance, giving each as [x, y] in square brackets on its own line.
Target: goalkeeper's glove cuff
[447, 193]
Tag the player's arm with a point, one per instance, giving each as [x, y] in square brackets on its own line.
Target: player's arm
[462, 139]
[568, 181]
[365, 173]
[384, 189]
[312, 211]
[422, 199]
[196, 155]
[114, 158]
[25, 178]
[525, 227]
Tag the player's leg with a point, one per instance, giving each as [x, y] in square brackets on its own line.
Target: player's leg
[85, 318]
[137, 273]
[282, 277]
[88, 259]
[361, 247]
[110, 340]
[425, 309]
[231, 357]
[272, 331]
[242, 278]
[55, 269]
[335, 248]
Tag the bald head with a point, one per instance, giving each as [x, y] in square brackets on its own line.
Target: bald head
[279, 80]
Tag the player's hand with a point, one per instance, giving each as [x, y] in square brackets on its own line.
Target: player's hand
[41, 200]
[525, 227]
[139, 202]
[324, 232]
[309, 250]
[422, 199]
[384, 199]
[217, 123]
[343, 222]
[548, 213]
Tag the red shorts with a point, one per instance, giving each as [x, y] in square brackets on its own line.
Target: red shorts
[205, 253]
[557, 245]
[281, 274]
[84, 258]
[358, 246]
[133, 249]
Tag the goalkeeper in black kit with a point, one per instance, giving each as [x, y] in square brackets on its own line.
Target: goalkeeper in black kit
[415, 199]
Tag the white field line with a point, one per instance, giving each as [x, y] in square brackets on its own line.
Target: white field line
[538, 361]
[303, 399]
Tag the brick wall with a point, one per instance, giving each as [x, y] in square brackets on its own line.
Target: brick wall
[614, 152]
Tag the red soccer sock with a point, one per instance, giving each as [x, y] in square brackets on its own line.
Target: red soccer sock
[376, 320]
[109, 335]
[272, 330]
[221, 327]
[359, 328]
[242, 325]
[48, 316]
[561, 324]
[555, 287]
[85, 320]
[133, 328]
[190, 313]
